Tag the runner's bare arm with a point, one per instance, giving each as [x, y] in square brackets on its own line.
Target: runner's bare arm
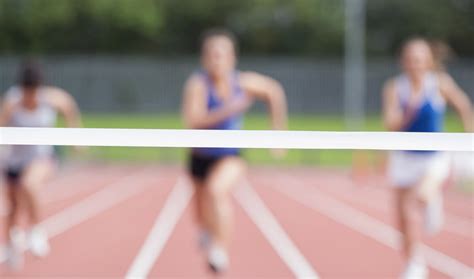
[6, 111]
[457, 98]
[271, 92]
[66, 105]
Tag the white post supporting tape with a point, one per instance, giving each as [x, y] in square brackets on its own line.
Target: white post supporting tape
[238, 139]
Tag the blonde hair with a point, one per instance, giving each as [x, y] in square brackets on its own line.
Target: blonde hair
[442, 53]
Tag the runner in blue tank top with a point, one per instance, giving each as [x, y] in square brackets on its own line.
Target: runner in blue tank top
[216, 98]
[233, 122]
[415, 102]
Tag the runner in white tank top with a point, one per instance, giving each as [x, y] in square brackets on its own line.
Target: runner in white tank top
[28, 167]
[44, 115]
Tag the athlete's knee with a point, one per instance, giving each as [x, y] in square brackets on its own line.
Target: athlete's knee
[234, 167]
[217, 187]
[223, 207]
[37, 173]
[405, 201]
[13, 196]
[218, 198]
[217, 193]
[407, 208]
[225, 176]
[30, 197]
[29, 188]
[13, 211]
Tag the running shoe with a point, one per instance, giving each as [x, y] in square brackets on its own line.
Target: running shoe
[415, 269]
[218, 259]
[38, 242]
[14, 249]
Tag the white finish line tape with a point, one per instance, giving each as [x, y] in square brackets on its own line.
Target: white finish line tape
[238, 139]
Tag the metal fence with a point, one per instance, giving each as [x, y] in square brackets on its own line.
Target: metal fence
[154, 84]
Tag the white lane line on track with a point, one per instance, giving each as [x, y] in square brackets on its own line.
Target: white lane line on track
[273, 232]
[77, 187]
[456, 225]
[91, 206]
[164, 225]
[55, 183]
[366, 225]
[66, 185]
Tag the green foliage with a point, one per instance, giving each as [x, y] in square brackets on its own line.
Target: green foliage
[78, 26]
[308, 27]
[392, 21]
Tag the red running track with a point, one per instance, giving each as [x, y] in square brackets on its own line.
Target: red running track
[289, 223]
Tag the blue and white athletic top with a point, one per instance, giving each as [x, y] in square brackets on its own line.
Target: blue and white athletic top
[429, 116]
[232, 123]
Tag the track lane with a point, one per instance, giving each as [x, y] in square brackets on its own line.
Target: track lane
[365, 224]
[336, 251]
[88, 237]
[456, 243]
[250, 253]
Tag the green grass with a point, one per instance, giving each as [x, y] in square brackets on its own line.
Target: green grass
[252, 122]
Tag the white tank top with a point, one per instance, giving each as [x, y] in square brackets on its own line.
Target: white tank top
[43, 116]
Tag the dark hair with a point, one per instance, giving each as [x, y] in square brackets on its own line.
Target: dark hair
[30, 74]
[219, 32]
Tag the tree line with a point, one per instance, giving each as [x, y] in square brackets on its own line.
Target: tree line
[285, 27]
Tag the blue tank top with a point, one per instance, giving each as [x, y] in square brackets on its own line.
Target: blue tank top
[232, 123]
[429, 116]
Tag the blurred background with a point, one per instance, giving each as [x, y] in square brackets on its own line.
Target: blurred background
[125, 61]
